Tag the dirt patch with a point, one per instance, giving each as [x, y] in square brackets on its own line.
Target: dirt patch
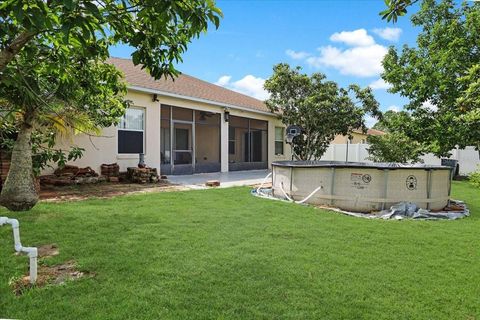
[45, 251]
[266, 185]
[50, 275]
[102, 190]
[48, 250]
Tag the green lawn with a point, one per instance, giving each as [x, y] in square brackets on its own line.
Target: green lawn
[223, 254]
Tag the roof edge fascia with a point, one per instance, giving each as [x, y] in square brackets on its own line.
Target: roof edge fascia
[219, 104]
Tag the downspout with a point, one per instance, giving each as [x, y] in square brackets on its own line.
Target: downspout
[30, 251]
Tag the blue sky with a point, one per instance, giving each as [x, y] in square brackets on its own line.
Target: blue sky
[343, 39]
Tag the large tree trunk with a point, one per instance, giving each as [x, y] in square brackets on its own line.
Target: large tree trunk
[18, 192]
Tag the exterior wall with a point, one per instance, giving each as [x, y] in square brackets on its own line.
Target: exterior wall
[356, 138]
[103, 149]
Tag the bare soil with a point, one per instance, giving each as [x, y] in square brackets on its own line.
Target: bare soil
[50, 275]
[102, 190]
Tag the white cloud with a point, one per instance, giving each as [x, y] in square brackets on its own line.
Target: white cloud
[362, 61]
[390, 34]
[249, 85]
[355, 38]
[223, 80]
[297, 55]
[379, 84]
[394, 108]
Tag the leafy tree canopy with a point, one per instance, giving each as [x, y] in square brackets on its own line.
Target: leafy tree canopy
[395, 145]
[53, 70]
[440, 76]
[159, 31]
[320, 107]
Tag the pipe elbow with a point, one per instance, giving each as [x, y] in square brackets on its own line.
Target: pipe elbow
[18, 247]
[31, 251]
[14, 223]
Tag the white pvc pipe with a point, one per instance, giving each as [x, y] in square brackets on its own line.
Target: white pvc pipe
[32, 252]
[310, 195]
[284, 193]
[263, 182]
[301, 201]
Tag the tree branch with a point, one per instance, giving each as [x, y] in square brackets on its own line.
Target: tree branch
[7, 54]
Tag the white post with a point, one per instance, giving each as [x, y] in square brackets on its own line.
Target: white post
[223, 143]
[358, 152]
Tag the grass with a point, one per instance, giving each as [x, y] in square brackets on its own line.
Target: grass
[223, 254]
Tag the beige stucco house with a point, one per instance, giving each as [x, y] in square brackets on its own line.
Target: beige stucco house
[185, 126]
[358, 137]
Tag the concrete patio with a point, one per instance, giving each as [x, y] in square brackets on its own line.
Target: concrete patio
[227, 179]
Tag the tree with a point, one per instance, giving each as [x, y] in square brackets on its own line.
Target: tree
[39, 92]
[53, 66]
[320, 107]
[395, 145]
[440, 76]
[159, 31]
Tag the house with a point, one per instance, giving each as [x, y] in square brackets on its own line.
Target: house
[185, 126]
[358, 136]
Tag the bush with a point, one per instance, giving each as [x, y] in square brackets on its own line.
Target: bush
[394, 147]
[474, 178]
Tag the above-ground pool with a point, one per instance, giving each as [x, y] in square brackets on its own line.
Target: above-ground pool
[362, 187]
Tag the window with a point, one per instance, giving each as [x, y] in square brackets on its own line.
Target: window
[279, 134]
[131, 131]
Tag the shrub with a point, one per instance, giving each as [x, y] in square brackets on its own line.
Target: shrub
[474, 178]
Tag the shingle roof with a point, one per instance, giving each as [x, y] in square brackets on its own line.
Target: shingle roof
[186, 86]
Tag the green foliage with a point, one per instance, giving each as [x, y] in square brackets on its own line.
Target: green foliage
[395, 9]
[474, 178]
[394, 147]
[159, 31]
[44, 153]
[393, 121]
[320, 107]
[441, 70]
[221, 259]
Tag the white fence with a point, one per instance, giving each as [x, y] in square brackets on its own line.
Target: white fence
[468, 159]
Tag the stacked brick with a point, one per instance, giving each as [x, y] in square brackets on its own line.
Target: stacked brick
[142, 175]
[70, 175]
[110, 171]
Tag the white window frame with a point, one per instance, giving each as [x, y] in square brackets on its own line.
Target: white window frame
[282, 141]
[134, 155]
